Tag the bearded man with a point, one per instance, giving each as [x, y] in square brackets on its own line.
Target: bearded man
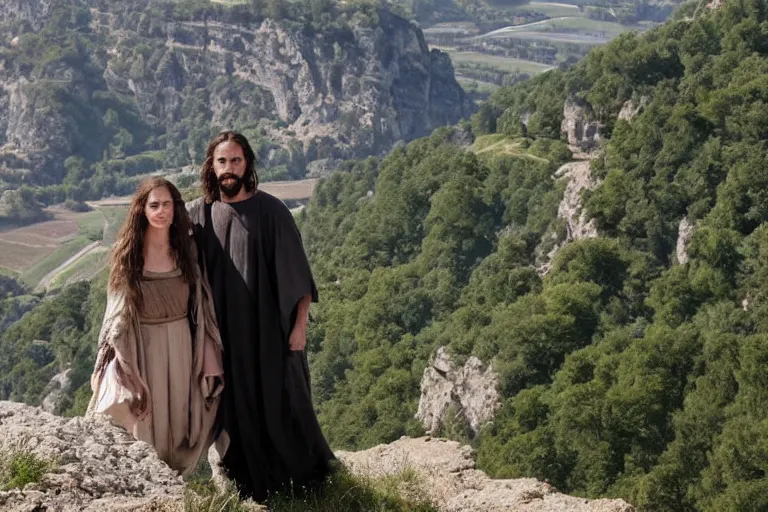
[262, 287]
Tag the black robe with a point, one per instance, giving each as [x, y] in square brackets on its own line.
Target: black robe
[258, 272]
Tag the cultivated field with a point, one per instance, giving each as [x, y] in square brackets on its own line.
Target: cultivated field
[290, 190]
[565, 33]
[503, 63]
[73, 246]
[32, 252]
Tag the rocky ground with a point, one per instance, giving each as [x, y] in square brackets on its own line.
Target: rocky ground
[452, 482]
[99, 467]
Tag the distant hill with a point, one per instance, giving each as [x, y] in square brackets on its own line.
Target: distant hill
[93, 93]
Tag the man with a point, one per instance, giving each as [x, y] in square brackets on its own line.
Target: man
[262, 287]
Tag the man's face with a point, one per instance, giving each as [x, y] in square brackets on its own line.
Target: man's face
[229, 165]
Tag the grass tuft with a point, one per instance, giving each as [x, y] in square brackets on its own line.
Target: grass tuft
[19, 466]
[342, 492]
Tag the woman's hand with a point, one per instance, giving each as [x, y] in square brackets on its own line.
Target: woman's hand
[139, 403]
[139, 406]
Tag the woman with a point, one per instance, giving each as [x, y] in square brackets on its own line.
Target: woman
[158, 369]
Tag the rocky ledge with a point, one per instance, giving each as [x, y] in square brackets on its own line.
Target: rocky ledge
[99, 467]
[455, 485]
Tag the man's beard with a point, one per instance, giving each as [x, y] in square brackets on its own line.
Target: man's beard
[230, 189]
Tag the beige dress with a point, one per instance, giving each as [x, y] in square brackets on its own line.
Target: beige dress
[165, 362]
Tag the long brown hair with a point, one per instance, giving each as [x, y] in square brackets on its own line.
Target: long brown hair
[208, 176]
[128, 252]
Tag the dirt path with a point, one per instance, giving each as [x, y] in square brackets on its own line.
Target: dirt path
[45, 281]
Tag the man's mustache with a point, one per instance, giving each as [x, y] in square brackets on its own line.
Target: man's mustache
[229, 176]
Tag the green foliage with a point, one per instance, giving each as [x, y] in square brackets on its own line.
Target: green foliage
[18, 207]
[397, 244]
[623, 373]
[19, 466]
[59, 333]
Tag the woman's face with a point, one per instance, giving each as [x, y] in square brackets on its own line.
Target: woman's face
[159, 208]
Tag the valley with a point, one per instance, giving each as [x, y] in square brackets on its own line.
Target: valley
[526, 39]
[73, 246]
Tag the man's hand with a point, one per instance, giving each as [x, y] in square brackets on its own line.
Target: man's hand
[298, 339]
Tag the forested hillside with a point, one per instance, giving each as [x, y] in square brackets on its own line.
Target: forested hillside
[635, 366]
[624, 372]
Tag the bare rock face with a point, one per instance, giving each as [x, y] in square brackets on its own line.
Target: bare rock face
[579, 179]
[580, 125]
[577, 225]
[452, 482]
[684, 234]
[100, 467]
[630, 109]
[55, 390]
[471, 389]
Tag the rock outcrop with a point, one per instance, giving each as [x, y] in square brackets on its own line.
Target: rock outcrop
[630, 109]
[452, 482]
[579, 178]
[580, 125]
[55, 391]
[570, 210]
[99, 467]
[471, 389]
[684, 234]
[343, 90]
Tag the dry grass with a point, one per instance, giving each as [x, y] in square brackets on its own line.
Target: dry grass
[342, 492]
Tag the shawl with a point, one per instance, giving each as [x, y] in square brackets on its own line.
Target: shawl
[119, 343]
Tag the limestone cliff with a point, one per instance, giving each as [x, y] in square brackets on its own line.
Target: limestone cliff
[344, 88]
[580, 125]
[470, 389]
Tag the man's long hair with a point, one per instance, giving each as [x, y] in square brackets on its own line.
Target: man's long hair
[128, 252]
[208, 178]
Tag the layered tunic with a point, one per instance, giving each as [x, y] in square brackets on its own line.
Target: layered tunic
[167, 353]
